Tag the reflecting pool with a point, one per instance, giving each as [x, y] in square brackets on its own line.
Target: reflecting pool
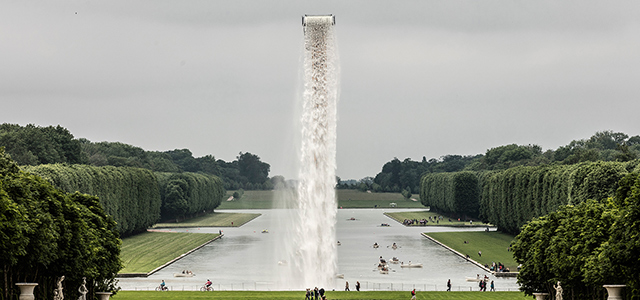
[248, 259]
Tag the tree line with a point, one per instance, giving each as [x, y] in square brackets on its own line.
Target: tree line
[138, 198]
[584, 246]
[47, 233]
[510, 198]
[398, 176]
[577, 224]
[34, 145]
[130, 195]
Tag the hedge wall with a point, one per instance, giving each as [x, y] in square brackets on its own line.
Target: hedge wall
[515, 196]
[129, 195]
[512, 197]
[185, 194]
[454, 193]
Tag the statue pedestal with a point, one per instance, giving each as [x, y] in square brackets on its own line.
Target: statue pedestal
[26, 290]
[103, 295]
[614, 291]
[540, 296]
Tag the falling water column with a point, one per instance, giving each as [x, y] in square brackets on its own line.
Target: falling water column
[316, 256]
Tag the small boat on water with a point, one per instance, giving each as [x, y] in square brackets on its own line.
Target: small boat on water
[340, 276]
[394, 260]
[376, 246]
[411, 265]
[265, 231]
[183, 274]
[477, 279]
[384, 270]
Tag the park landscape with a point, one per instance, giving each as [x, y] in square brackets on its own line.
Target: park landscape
[87, 220]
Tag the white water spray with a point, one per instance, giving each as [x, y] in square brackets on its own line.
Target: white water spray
[314, 241]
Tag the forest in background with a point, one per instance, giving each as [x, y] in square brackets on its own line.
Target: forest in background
[404, 176]
[34, 145]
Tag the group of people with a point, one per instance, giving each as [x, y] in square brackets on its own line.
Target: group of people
[314, 294]
[499, 267]
[483, 286]
[346, 286]
[423, 222]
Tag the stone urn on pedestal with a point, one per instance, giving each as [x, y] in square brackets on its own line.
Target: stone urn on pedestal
[26, 290]
[103, 295]
[614, 291]
[540, 296]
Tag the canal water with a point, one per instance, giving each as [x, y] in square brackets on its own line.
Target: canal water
[247, 258]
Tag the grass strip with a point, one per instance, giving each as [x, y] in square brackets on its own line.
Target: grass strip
[332, 295]
[358, 199]
[346, 199]
[419, 215]
[493, 244]
[146, 251]
[216, 219]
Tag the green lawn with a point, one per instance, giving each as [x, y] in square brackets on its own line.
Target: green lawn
[146, 251]
[215, 219]
[358, 199]
[493, 245]
[299, 295]
[425, 214]
[346, 199]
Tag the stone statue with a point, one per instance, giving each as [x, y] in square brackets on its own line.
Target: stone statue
[558, 291]
[57, 293]
[83, 289]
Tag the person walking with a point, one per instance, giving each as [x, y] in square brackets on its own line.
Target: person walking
[358, 286]
[493, 287]
[346, 286]
[315, 293]
[449, 285]
[413, 294]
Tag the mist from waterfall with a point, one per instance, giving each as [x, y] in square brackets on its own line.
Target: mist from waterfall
[311, 246]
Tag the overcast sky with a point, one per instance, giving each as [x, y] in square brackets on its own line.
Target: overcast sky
[419, 78]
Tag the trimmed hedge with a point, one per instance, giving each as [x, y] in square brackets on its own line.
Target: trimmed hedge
[512, 197]
[515, 196]
[453, 193]
[129, 195]
[185, 194]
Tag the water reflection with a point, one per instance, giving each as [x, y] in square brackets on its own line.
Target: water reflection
[247, 259]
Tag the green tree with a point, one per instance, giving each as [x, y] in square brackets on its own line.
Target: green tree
[175, 203]
[406, 193]
[251, 168]
[47, 233]
[617, 260]
[184, 159]
[208, 164]
[557, 247]
[32, 145]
